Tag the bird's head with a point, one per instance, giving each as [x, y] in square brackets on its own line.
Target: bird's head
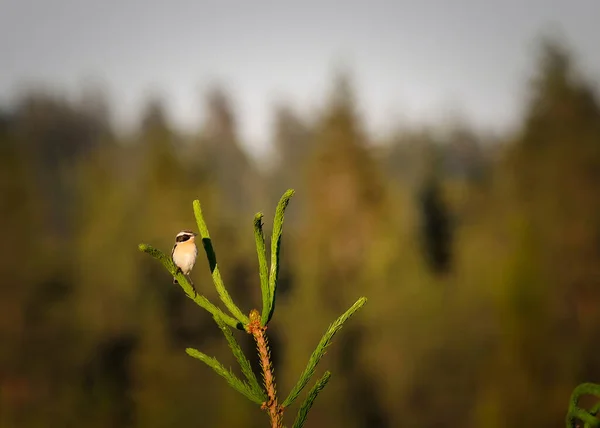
[185, 235]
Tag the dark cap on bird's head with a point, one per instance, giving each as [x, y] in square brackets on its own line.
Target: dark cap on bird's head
[184, 235]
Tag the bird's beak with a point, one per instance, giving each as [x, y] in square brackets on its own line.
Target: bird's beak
[195, 234]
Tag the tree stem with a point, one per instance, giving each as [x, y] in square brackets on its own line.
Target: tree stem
[272, 407]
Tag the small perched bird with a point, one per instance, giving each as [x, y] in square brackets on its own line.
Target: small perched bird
[184, 252]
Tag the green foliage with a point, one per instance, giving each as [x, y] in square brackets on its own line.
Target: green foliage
[237, 384]
[275, 248]
[263, 269]
[242, 360]
[214, 268]
[320, 351]
[310, 398]
[251, 389]
[577, 413]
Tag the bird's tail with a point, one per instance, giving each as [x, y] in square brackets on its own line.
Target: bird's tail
[192, 284]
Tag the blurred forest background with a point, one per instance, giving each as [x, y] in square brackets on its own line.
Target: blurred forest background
[480, 256]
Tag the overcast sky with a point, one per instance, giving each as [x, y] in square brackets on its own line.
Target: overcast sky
[411, 59]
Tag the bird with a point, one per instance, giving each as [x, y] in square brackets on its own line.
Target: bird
[184, 252]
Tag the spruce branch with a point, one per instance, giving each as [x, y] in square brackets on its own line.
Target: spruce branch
[256, 323]
[320, 351]
[190, 292]
[575, 412]
[310, 399]
[263, 269]
[214, 268]
[242, 360]
[275, 249]
[232, 380]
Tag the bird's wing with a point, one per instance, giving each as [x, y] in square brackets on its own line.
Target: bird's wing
[173, 252]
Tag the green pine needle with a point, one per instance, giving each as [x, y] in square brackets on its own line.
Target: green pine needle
[242, 360]
[261, 251]
[214, 268]
[310, 399]
[200, 300]
[276, 247]
[320, 351]
[232, 380]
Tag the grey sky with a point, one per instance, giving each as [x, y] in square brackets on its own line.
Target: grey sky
[411, 59]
